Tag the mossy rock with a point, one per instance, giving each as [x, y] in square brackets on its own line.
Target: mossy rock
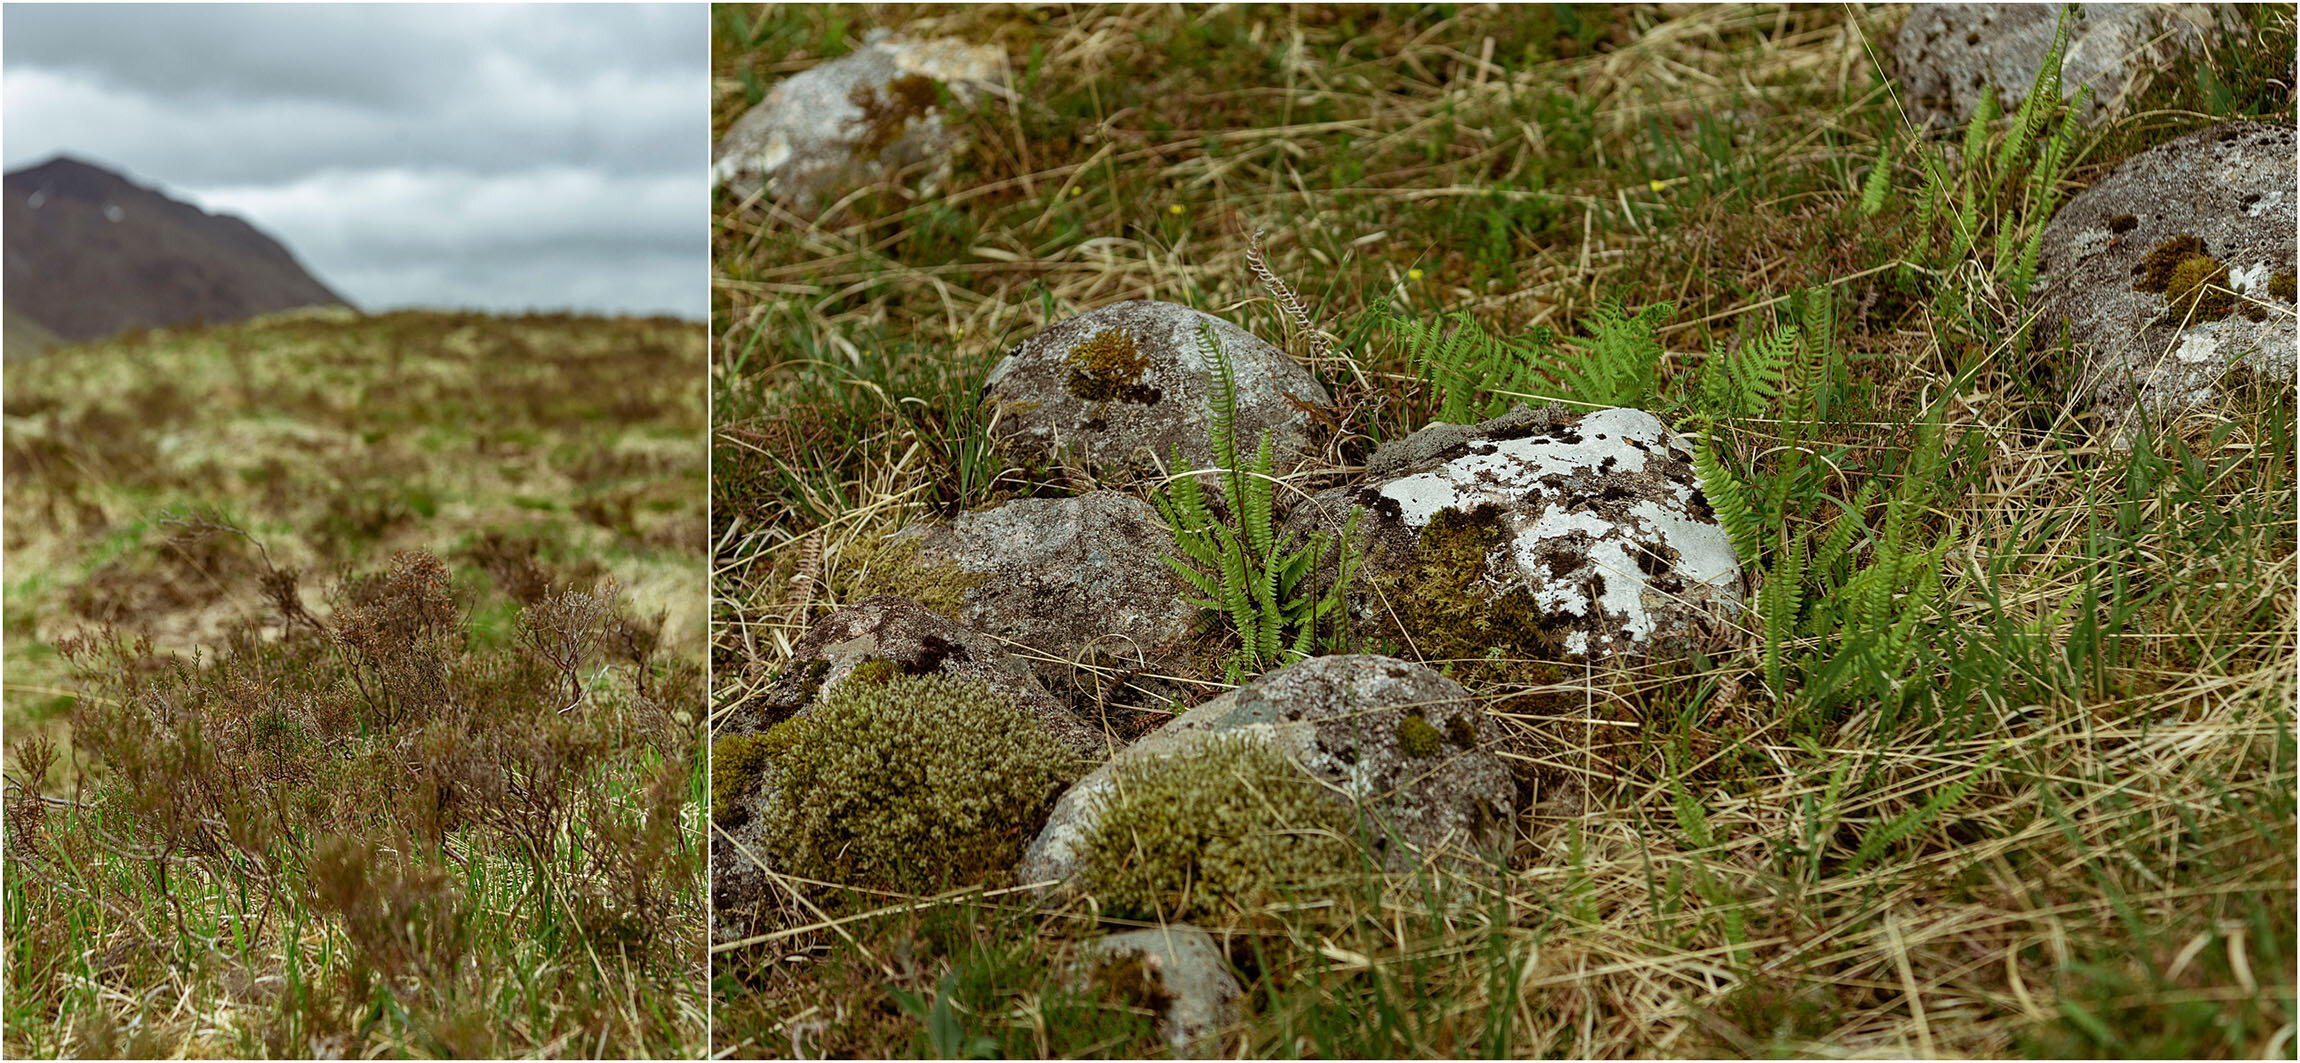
[1341, 725]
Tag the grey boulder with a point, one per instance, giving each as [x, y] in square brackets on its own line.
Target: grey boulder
[1079, 580]
[856, 120]
[1406, 744]
[1539, 535]
[1120, 388]
[1947, 54]
[2231, 188]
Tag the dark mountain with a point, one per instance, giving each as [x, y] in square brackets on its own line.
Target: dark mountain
[90, 253]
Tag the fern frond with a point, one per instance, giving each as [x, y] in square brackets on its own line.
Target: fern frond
[1977, 129]
[1728, 500]
[1880, 182]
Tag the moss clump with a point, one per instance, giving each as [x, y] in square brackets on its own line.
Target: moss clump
[1445, 600]
[2198, 290]
[1461, 732]
[2154, 273]
[1416, 738]
[877, 671]
[736, 762]
[2280, 286]
[1220, 826]
[914, 784]
[936, 583]
[1109, 366]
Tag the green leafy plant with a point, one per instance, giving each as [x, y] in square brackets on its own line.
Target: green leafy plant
[1265, 589]
[1476, 375]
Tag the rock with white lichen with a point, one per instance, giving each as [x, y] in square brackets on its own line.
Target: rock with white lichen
[1079, 580]
[1118, 389]
[1537, 537]
[1276, 784]
[2174, 270]
[874, 113]
[1175, 972]
[1946, 55]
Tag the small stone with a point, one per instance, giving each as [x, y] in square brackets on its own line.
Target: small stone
[1177, 972]
[853, 121]
[1121, 387]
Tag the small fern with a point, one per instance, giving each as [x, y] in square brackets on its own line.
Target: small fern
[1475, 375]
[1265, 593]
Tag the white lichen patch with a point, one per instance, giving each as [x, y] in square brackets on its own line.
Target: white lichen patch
[1605, 528]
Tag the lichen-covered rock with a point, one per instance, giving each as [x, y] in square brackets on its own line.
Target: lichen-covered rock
[1176, 972]
[855, 120]
[1946, 54]
[1080, 580]
[1404, 744]
[1119, 388]
[2175, 268]
[1540, 535]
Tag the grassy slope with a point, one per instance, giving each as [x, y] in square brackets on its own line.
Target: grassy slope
[335, 441]
[2083, 845]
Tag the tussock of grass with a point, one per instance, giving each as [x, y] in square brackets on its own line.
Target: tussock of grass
[2061, 822]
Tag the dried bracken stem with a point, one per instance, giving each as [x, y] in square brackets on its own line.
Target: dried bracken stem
[1321, 349]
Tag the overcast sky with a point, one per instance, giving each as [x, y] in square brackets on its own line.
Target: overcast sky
[503, 157]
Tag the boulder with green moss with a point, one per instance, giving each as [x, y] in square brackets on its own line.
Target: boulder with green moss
[890, 782]
[1302, 774]
[1080, 580]
[1118, 389]
[2174, 271]
[1537, 537]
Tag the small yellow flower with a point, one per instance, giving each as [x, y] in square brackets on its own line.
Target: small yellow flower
[1175, 210]
[1657, 185]
[1414, 274]
[1076, 191]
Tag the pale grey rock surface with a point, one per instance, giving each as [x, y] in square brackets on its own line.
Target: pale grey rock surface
[2232, 186]
[1189, 982]
[1339, 719]
[1946, 54]
[854, 120]
[1078, 580]
[1046, 411]
[1598, 518]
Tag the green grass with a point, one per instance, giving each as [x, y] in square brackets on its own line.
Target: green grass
[262, 834]
[2032, 796]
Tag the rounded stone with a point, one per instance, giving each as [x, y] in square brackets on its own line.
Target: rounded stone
[1121, 388]
[1946, 54]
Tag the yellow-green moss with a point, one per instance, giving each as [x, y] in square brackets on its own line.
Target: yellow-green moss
[1222, 826]
[2198, 290]
[736, 761]
[875, 670]
[936, 583]
[1461, 732]
[2154, 273]
[1109, 366]
[1416, 738]
[1444, 599]
[2280, 285]
[917, 783]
